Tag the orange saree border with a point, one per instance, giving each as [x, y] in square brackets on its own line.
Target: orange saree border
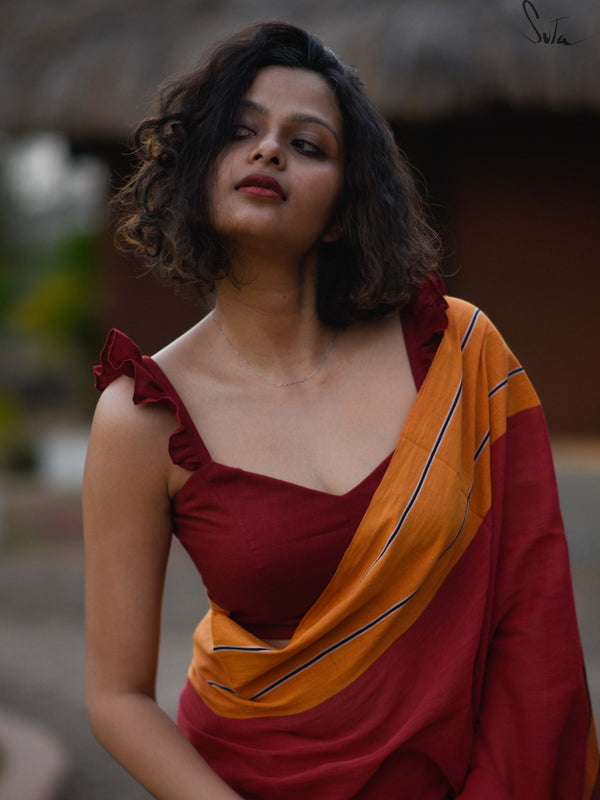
[426, 511]
[591, 779]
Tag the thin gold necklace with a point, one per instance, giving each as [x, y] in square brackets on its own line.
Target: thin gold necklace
[260, 374]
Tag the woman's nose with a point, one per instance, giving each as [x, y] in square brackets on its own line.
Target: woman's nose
[269, 151]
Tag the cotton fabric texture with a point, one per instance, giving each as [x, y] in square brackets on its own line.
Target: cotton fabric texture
[442, 659]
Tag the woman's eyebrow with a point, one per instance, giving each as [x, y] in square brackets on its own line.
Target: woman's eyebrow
[299, 117]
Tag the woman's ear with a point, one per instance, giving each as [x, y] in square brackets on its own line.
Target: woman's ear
[333, 233]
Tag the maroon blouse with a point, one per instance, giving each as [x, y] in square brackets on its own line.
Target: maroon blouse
[265, 548]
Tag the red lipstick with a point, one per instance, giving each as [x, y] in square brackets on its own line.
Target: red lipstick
[261, 186]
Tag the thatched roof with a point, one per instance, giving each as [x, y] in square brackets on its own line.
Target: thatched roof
[90, 67]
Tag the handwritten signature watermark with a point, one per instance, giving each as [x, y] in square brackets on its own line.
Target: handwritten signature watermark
[546, 32]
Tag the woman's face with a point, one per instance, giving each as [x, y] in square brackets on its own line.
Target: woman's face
[278, 182]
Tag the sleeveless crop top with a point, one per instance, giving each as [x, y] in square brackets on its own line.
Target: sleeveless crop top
[265, 548]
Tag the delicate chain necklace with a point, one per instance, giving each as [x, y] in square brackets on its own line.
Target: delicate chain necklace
[261, 374]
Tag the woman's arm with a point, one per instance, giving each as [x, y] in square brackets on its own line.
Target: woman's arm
[127, 536]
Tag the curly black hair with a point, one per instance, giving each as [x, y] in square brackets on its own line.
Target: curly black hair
[386, 246]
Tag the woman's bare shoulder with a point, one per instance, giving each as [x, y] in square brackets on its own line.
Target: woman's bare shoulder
[128, 436]
[125, 433]
[116, 406]
[117, 410]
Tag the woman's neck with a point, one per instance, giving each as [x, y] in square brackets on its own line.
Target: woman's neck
[270, 319]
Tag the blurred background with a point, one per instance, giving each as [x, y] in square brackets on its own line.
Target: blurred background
[497, 106]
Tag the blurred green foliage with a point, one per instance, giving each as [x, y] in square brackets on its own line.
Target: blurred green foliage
[14, 445]
[51, 294]
[49, 317]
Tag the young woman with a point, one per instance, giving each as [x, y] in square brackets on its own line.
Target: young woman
[358, 467]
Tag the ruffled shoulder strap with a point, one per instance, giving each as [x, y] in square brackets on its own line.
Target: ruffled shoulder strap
[121, 356]
[424, 321]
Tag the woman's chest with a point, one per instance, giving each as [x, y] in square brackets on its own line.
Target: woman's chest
[325, 440]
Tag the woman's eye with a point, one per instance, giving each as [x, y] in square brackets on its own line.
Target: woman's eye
[242, 131]
[307, 148]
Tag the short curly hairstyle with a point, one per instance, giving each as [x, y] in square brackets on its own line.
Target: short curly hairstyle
[386, 246]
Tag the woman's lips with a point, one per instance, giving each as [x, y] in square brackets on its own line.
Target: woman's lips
[261, 186]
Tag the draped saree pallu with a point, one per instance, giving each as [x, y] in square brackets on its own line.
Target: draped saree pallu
[443, 658]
